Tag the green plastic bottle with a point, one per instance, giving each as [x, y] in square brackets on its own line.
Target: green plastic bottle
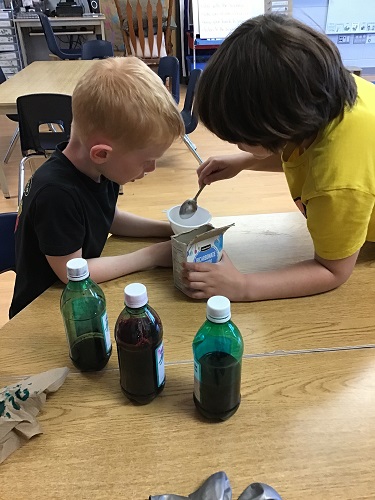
[217, 349]
[83, 308]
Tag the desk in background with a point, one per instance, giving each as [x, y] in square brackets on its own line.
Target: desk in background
[56, 77]
[31, 38]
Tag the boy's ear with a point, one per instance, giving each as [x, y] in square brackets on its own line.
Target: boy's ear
[100, 153]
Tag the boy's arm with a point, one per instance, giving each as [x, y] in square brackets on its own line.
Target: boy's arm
[127, 224]
[217, 168]
[309, 277]
[108, 268]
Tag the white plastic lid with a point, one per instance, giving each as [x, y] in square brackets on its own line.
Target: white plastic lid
[135, 295]
[77, 269]
[218, 309]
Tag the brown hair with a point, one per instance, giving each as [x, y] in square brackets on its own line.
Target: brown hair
[124, 100]
[273, 80]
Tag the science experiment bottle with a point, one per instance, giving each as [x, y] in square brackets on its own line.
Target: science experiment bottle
[139, 339]
[217, 349]
[83, 308]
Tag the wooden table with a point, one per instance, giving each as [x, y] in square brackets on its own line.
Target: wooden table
[39, 77]
[305, 424]
[335, 320]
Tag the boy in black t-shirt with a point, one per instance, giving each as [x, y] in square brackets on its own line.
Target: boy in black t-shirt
[123, 120]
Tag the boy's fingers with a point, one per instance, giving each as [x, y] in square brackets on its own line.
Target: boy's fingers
[196, 286]
[196, 267]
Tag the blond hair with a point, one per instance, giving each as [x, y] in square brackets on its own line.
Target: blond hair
[122, 99]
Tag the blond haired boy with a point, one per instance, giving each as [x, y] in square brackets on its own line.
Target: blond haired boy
[124, 119]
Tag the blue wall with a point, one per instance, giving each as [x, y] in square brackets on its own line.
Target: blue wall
[314, 13]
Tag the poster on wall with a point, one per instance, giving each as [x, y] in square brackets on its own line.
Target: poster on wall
[350, 17]
[217, 18]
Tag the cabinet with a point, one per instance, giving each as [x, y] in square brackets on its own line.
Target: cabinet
[10, 55]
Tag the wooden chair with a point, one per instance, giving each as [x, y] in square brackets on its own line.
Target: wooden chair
[153, 40]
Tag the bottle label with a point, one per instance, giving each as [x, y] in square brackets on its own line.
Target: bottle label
[159, 358]
[197, 380]
[107, 335]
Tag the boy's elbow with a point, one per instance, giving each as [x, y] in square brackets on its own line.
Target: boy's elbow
[340, 269]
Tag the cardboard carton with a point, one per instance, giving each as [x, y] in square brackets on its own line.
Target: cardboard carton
[204, 244]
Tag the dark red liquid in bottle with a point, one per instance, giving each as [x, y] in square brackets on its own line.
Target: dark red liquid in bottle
[140, 352]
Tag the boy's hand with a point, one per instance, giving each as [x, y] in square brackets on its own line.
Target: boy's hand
[205, 280]
[160, 254]
[217, 168]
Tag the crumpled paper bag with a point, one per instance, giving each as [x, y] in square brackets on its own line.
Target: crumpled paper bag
[217, 487]
[20, 404]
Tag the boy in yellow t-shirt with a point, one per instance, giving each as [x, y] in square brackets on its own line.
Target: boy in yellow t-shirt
[279, 90]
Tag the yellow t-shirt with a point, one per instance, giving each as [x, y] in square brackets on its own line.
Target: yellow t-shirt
[333, 181]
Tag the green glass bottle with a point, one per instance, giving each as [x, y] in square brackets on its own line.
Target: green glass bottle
[217, 349]
[83, 308]
[139, 339]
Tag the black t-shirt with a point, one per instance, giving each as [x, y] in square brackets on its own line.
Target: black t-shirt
[62, 210]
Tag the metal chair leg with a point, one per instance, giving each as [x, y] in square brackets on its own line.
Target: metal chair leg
[12, 144]
[51, 127]
[3, 183]
[191, 146]
[21, 178]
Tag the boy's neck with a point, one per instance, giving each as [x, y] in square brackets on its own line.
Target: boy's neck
[302, 147]
[79, 155]
[307, 143]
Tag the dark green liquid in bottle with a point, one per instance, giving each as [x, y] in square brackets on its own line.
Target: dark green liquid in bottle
[83, 308]
[218, 350]
[220, 385]
[89, 353]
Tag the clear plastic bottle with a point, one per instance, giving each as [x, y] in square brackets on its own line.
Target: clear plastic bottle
[217, 349]
[83, 308]
[139, 339]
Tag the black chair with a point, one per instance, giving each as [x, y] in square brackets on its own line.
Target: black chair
[188, 113]
[13, 141]
[52, 43]
[169, 69]
[97, 49]
[35, 110]
[7, 247]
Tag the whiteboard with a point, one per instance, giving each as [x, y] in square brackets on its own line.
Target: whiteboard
[349, 16]
[218, 18]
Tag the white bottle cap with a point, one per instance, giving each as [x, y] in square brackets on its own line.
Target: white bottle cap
[135, 295]
[218, 309]
[77, 269]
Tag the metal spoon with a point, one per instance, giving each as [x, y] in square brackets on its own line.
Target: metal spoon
[189, 207]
